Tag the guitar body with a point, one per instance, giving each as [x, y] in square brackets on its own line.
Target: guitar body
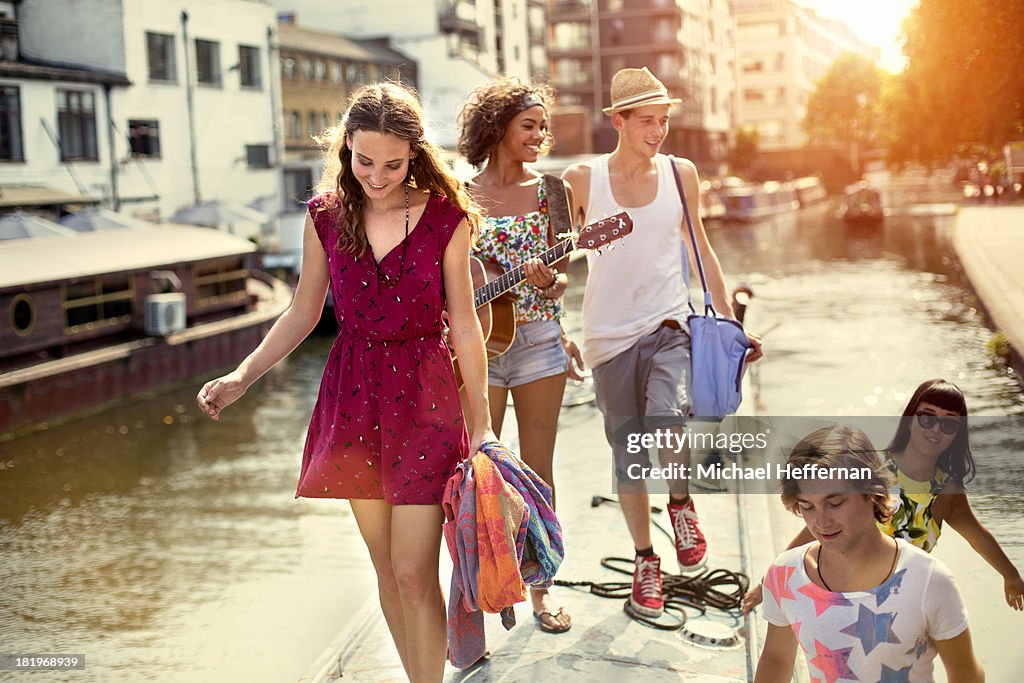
[498, 317]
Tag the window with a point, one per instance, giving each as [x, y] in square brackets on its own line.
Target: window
[336, 73]
[289, 69]
[258, 156]
[325, 121]
[97, 302]
[249, 66]
[22, 314]
[10, 124]
[313, 123]
[144, 138]
[307, 68]
[298, 188]
[750, 65]
[751, 95]
[571, 36]
[220, 282]
[293, 126]
[208, 62]
[76, 116]
[160, 48]
[320, 70]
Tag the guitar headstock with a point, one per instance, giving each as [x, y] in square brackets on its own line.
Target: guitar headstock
[605, 232]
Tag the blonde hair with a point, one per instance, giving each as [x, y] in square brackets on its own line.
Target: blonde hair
[392, 109]
[841, 447]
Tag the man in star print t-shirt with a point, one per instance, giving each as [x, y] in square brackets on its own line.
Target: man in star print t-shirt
[861, 605]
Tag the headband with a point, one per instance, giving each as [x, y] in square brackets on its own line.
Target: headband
[530, 99]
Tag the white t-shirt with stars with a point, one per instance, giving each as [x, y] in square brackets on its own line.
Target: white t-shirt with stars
[884, 634]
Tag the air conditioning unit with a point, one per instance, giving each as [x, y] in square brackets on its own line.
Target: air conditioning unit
[165, 314]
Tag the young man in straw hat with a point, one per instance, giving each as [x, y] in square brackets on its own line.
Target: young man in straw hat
[634, 313]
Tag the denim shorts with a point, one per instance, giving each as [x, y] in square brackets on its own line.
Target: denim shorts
[536, 353]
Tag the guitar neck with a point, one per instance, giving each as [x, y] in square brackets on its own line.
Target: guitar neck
[507, 280]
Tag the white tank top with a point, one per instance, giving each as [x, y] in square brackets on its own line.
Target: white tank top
[632, 288]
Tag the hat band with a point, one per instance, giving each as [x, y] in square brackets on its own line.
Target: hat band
[639, 99]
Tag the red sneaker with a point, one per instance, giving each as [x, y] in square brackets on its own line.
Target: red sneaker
[691, 546]
[646, 598]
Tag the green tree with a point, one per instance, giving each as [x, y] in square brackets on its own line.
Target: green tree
[964, 81]
[744, 149]
[846, 103]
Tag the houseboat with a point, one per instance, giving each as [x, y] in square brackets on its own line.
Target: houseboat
[862, 205]
[96, 317]
[754, 202]
[809, 190]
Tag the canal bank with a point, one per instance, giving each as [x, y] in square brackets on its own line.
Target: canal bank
[990, 245]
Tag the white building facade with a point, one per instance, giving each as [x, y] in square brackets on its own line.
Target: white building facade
[783, 49]
[458, 44]
[194, 116]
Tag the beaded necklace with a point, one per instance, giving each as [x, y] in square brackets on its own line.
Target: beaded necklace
[383, 277]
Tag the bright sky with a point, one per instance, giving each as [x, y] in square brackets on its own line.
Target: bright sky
[877, 22]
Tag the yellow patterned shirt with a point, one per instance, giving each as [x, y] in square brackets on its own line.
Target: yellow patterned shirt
[913, 520]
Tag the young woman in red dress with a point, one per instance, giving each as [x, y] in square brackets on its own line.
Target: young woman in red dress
[390, 234]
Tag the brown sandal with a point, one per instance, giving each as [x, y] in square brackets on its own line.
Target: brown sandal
[548, 628]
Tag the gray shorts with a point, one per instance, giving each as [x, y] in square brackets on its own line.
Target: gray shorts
[535, 353]
[644, 388]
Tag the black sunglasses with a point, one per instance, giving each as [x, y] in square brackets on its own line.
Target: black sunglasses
[948, 425]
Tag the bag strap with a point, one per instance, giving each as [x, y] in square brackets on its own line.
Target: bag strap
[558, 207]
[708, 305]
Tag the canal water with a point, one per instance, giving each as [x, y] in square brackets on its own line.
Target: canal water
[166, 547]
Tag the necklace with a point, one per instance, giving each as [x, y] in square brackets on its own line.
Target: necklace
[895, 555]
[381, 275]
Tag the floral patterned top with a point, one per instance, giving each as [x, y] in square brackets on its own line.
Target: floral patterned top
[511, 241]
[913, 520]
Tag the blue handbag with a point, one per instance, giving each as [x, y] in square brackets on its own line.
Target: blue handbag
[718, 346]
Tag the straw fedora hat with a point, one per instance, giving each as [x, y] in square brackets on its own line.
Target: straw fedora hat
[632, 88]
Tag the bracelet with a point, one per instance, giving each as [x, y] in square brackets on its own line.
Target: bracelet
[554, 281]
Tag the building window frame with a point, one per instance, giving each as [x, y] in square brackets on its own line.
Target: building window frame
[257, 156]
[144, 138]
[250, 75]
[162, 66]
[293, 125]
[76, 123]
[208, 71]
[12, 146]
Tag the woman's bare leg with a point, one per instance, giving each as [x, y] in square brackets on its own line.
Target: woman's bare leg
[415, 553]
[537, 405]
[374, 520]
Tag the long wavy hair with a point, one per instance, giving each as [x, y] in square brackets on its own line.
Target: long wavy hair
[957, 460]
[393, 109]
[487, 112]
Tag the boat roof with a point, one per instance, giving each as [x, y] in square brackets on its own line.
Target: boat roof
[51, 259]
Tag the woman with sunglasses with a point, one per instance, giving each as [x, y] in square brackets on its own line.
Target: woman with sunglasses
[929, 455]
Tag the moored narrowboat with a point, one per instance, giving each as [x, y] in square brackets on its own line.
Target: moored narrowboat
[96, 317]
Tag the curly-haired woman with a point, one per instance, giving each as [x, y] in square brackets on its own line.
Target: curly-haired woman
[504, 126]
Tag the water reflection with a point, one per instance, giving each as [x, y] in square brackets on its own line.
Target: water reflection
[117, 532]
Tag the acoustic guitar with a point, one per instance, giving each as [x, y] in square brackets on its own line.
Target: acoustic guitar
[495, 306]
